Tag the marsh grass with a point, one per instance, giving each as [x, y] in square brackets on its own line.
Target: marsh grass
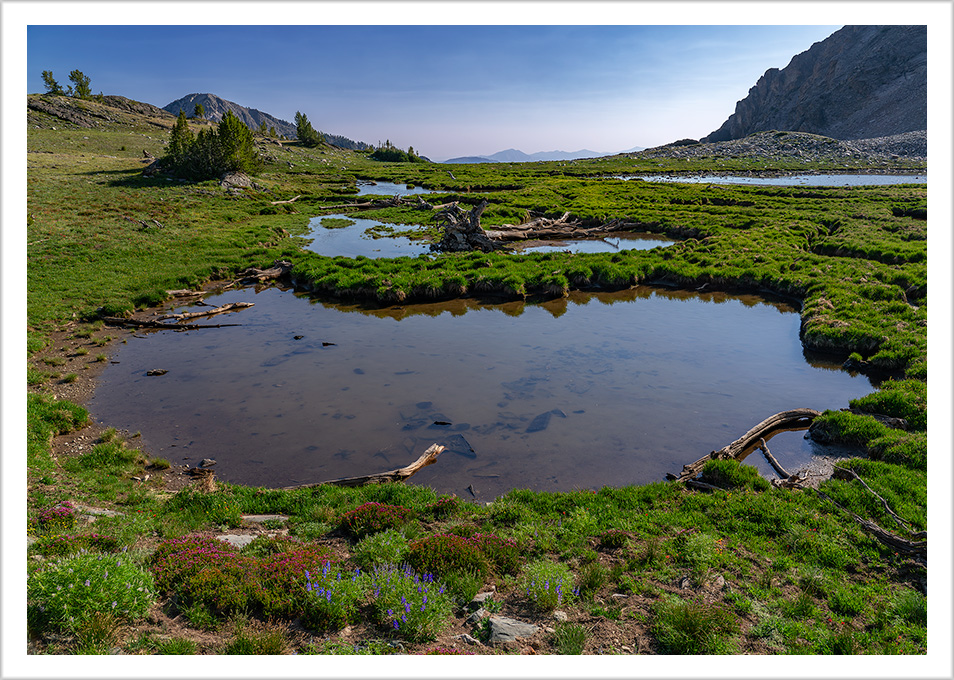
[694, 627]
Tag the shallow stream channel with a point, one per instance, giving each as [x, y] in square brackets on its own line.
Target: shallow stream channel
[604, 389]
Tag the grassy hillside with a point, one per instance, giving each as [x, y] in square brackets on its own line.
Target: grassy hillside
[657, 569]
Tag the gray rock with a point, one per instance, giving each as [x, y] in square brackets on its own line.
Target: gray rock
[503, 629]
[238, 540]
[560, 615]
[477, 616]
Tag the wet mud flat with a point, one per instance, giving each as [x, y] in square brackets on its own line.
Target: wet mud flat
[583, 392]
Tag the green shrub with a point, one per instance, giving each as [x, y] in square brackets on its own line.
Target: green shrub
[910, 606]
[57, 519]
[731, 474]
[372, 517]
[444, 553]
[613, 538]
[67, 544]
[68, 593]
[386, 547]
[176, 646]
[591, 579]
[413, 606]
[569, 638]
[548, 584]
[206, 508]
[332, 598]
[848, 600]
[693, 627]
[444, 507]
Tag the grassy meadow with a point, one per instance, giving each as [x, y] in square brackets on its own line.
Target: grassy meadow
[661, 569]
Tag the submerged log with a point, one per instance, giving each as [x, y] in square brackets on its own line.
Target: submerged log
[148, 323]
[399, 475]
[796, 419]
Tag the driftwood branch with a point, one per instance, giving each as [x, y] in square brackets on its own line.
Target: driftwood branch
[143, 323]
[290, 200]
[230, 307]
[796, 419]
[849, 475]
[782, 472]
[901, 545]
[399, 475]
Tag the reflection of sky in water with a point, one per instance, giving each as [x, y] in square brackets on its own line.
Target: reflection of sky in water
[389, 189]
[593, 390]
[351, 241]
[790, 181]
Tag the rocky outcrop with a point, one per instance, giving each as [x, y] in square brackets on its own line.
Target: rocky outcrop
[861, 82]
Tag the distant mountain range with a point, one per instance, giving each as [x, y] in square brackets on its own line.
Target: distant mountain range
[517, 156]
[215, 107]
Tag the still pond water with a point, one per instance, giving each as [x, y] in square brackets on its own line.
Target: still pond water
[354, 240]
[594, 390]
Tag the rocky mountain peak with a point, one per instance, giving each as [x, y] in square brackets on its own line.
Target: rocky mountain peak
[860, 82]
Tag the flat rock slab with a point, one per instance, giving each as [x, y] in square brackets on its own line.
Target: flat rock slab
[238, 540]
[503, 629]
[258, 519]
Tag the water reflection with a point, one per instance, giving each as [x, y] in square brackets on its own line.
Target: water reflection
[373, 239]
[368, 188]
[592, 390]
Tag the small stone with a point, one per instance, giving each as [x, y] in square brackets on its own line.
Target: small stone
[560, 615]
[464, 637]
[207, 462]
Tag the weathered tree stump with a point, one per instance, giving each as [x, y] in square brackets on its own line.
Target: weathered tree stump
[462, 230]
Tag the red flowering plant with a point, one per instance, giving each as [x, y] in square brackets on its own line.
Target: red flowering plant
[57, 519]
[371, 518]
[445, 553]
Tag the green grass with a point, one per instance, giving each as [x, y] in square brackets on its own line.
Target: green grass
[802, 574]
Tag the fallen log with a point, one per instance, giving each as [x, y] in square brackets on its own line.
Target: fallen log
[143, 323]
[399, 475]
[896, 543]
[278, 269]
[230, 307]
[183, 292]
[290, 200]
[796, 419]
[849, 475]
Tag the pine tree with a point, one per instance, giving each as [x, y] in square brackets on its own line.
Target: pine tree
[80, 88]
[237, 145]
[304, 131]
[180, 141]
[199, 111]
[52, 87]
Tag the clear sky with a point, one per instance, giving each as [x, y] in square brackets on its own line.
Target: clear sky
[447, 90]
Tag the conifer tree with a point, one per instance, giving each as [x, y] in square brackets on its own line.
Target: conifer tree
[306, 134]
[199, 111]
[180, 140]
[80, 88]
[52, 87]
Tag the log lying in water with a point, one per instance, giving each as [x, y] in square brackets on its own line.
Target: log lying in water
[231, 307]
[399, 475]
[796, 419]
[559, 228]
[462, 230]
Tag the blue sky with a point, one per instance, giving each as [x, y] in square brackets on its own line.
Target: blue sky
[447, 90]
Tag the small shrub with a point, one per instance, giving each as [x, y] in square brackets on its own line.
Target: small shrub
[502, 553]
[612, 539]
[847, 601]
[693, 627]
[549, 584]
[268, 643]
[373, 517]
[731, 474]
[68, 593]
[176, 646]
[592, 578]
[57, 519]
[67, 544]
[213, 509]
[161, 464]
[412, 606]
[386, 547]
[443, 507]
[910, 606]
[569, 638]
[309, 531]
[332, 598]
[445, 553]
[463, 585]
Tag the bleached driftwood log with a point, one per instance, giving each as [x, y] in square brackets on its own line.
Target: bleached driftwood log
[399, 475]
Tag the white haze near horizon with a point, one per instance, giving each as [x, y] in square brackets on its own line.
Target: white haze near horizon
[448, 91]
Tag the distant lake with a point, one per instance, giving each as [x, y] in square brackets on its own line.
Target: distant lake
[787, 181]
